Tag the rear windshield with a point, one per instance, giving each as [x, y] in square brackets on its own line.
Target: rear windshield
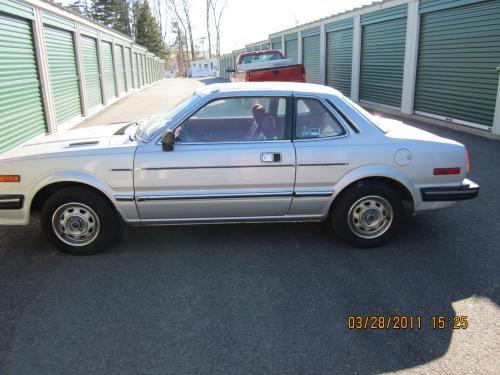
[260, 58]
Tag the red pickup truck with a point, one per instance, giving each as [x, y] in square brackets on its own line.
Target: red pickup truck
[267, 65]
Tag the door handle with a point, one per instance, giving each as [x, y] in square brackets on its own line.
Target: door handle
[270, 157]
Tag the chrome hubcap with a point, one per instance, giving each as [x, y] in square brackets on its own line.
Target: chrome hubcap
[370, 217]
[75, 224]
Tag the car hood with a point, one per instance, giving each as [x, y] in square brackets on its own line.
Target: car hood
[398, 130]
[91, 138]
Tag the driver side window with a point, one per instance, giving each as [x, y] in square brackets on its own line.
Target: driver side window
[241, 119]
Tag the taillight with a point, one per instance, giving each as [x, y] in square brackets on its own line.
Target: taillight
[247, 76]
[446, 171]
[467, 161]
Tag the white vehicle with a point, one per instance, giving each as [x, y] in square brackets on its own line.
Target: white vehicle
[236, 152]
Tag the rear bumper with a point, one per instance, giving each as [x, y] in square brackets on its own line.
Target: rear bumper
[467, 190]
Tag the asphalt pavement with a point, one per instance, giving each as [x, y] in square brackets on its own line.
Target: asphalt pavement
[259, 298]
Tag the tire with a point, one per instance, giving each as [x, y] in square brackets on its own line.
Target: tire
[368, 214]
[79, 221]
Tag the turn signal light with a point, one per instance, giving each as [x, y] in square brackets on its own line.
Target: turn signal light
[446, 171]
[10, 178]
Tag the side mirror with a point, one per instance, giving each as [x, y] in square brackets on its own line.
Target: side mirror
[168, 140]
[229, 70]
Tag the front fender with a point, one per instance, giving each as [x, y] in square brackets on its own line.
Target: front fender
[126, 209]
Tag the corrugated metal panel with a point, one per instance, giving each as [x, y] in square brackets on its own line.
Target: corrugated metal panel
[63, 73]
[143, 68]
[17, 9]
[310, 32]
[310, 58]
[292, 36]
[128, 68]
[58, 21]
[91, 71]
[120, 68]
[135, 67]
[434, 5]
[458, 55]
[382, 61]
[292, 50]
[108, 70]
[20, 98]
[339, 59]
[276, 43]
[88, 31]
[339, 25]
[388, 14]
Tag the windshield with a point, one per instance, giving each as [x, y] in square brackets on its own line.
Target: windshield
[260, 58]
[147, 129]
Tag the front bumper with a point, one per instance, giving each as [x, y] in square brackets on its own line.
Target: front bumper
[467, 190]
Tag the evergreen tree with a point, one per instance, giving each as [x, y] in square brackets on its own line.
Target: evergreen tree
[146, 30]
[80, 6]
[113, 14]
[102, 12]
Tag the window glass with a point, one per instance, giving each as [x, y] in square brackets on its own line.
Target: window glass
[240, 119]
[313, 120]
[268, 56]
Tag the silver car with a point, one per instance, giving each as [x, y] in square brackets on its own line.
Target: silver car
[239, 152]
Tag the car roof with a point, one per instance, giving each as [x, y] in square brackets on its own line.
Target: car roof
[238, 87]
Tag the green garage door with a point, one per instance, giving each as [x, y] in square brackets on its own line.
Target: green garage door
[339, 56]
[382, 56]
[91, 72]
[20, 98]
[128, 67]
[120, 68]
[276, 43]
[143, 68]
[310, 54]
[292, 48]
[458, 55]
[63, 73]
[135, 69]
[108, 70]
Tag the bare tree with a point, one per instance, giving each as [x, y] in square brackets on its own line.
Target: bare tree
[180, 21]
[208, 30]
[181, 10]
[218, 7]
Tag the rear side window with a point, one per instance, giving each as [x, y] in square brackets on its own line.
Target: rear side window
[314, 120]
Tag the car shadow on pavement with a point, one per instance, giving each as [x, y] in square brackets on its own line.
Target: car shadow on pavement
[261, 298]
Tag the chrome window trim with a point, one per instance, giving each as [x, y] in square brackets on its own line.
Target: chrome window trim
[230, 142]
[277, 165]
[168, 197]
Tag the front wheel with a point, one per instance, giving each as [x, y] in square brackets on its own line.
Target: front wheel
[368, 214]
[79, 221]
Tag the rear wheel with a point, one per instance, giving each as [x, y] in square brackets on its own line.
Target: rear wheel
[79, 221]
[368, 214]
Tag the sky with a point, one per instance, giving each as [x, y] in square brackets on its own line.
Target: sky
[248, 21]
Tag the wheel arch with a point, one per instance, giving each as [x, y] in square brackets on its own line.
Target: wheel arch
[50, 184]
[384, 174]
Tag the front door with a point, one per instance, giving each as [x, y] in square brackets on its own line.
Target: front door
[232, 159]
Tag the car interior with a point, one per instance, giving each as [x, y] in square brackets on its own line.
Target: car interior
[256, 119]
